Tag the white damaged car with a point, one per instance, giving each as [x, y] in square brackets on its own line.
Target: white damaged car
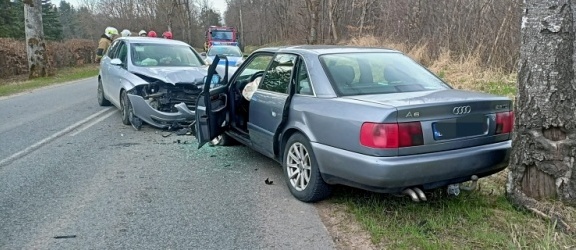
[152, 80]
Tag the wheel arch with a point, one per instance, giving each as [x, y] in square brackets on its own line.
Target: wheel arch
[280, 146]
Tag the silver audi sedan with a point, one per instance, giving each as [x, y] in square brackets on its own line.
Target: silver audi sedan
[370, 118]
[152, 80]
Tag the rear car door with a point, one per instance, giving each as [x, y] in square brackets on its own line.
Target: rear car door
[268, 102]
[212, 112]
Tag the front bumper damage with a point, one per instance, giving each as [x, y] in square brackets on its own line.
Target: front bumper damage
[164, 120]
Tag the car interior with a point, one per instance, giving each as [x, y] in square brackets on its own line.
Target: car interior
[360, 77]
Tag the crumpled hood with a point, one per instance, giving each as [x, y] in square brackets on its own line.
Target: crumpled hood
[174, 75]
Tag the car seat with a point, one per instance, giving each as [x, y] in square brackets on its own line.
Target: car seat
[392, 75]
[342, 75]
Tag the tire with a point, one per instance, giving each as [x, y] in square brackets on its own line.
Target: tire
[102, 101]
[223, 140]
[126, 108]
[315, 189]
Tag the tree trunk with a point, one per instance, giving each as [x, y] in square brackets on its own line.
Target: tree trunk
[35, 45]
[313, 10]
[544, 142]
[331, 9]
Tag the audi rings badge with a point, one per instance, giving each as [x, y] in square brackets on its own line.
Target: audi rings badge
[461, 110]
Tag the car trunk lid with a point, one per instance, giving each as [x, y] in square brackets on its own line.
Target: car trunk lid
[449, 119]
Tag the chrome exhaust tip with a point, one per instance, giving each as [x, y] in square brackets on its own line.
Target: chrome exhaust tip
[412, 194]
[420, 193]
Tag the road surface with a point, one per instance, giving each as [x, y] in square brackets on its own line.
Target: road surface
[72, 176]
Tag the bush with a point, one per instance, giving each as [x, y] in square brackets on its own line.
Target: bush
[69, 53]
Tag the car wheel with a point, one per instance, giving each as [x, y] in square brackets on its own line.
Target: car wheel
[126, 108]
[302, 172]
[222, 140]
[102, 101]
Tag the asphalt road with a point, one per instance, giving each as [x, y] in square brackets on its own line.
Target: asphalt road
[72, 176]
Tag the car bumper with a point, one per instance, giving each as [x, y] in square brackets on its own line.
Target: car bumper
[393, 174]
[160, 119]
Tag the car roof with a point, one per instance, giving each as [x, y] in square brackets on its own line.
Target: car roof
[155, 40]
[325, 49]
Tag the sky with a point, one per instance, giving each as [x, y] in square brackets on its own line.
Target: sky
[219, 5]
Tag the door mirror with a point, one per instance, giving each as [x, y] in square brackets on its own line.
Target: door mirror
[215, 80]
[116, 61]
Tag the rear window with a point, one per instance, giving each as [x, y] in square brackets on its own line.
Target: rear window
[377, 73]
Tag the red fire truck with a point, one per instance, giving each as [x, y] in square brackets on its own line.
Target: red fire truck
[222, 35]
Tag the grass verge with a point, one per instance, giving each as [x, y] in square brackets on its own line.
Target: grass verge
[20, 84]
[480, 220]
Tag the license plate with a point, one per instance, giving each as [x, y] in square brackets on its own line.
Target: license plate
[460, 127]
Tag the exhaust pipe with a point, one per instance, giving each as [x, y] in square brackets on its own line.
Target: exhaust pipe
[472, 186]
[420, 193]
[412, 194]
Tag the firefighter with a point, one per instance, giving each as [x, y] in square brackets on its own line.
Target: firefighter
[142, 33]
[126, 32]
[152, 34]
[167, 35]
[106, 39]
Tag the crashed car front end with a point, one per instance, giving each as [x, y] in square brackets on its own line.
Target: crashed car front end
[167, 99]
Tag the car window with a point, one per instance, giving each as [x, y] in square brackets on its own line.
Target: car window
[224, 50]
[257, 63]
[112, 49]
[303, 81]
[164, 55]
[123, 52]
[365, 73]
[277, 77]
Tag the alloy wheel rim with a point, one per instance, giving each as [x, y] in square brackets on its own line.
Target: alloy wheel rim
[299, 166]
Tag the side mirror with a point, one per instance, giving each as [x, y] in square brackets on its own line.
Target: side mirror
[215, 80]
[116, 61]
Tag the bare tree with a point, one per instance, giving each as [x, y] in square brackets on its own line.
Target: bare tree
[313, 11]
[542, 161]
[35, 45]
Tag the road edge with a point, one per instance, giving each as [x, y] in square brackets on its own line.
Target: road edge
[44, 87]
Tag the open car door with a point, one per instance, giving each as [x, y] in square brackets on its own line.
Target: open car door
[212, 105]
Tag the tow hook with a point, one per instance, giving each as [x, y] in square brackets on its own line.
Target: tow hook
[454, 189]
[416, 194]
[472, 186]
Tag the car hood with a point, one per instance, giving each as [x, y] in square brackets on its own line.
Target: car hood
[174, 75]
[427, 97]
[231, 59]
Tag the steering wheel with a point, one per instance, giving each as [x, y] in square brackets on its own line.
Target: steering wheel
[256, 75]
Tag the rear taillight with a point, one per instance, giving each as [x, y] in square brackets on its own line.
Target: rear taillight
[504, 122]
[391, 135]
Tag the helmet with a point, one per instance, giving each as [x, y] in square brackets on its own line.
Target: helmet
[126, 32]
[110, 31]
[167, 35]
[152, 33]
[142, 33]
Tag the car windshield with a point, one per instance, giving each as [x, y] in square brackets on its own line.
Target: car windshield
[365, 73]
[221, 35]
[164, 55]
[224, 50]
